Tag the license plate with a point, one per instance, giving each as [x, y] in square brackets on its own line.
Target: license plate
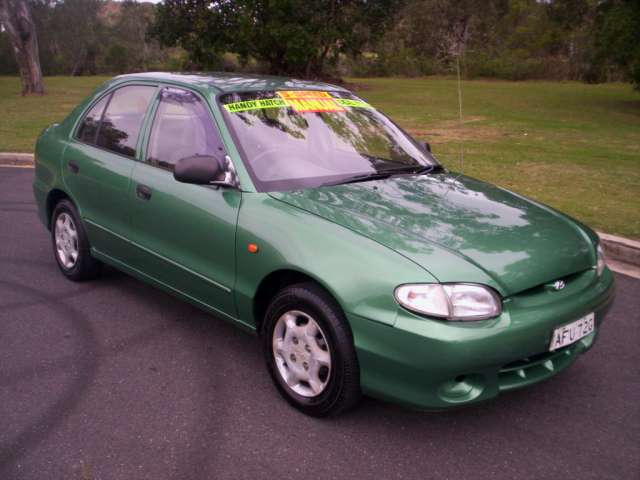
[572, 332]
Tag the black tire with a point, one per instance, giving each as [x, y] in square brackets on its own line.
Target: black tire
[342, 389]
[85, 267]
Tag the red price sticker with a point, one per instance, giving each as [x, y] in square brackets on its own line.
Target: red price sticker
[310, 101]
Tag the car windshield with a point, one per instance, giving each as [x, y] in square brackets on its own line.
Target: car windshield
[302, 139]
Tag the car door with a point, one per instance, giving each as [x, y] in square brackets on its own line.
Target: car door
[184, 233]
[98, 162]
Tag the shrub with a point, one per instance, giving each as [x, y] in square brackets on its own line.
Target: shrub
[116, 59]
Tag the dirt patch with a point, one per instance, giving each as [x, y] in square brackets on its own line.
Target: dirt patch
[451, 131]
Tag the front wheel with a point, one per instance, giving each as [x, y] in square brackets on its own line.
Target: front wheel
[308, 347]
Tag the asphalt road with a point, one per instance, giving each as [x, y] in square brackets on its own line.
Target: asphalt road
[116, 380]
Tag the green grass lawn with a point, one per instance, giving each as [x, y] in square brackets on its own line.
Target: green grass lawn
[573, 146]
[23, 118]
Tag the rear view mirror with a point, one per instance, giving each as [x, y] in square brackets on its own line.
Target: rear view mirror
[426, 146]
[199, 170]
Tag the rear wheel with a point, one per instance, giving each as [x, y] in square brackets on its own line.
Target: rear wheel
[70, 244]
[308, 347]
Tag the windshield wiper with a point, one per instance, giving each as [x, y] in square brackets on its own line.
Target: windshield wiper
[413, 170]
[418, 170]
[360, 178]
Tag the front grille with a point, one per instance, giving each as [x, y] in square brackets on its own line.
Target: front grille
[535, 368]
[568, 280]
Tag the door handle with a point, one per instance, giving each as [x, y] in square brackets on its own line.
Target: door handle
[73, 167]
[143, 192]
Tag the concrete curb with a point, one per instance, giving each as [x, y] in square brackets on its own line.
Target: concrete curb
[16, 159]
[618, 249]
[621, 249]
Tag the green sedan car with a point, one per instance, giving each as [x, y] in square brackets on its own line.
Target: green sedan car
[297, 211]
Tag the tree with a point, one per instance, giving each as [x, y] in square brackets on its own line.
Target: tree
[87, 37]
[116, 58]
[199, 26]
[301, 37]
[15, 17]
[295, 37]
[513, 39]
[129, 31]
[618, 36]
[442, 30]
[79, 34]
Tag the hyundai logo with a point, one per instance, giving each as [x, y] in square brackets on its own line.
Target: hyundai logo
[558, 285]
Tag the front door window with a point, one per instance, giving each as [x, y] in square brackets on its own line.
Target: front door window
[182, 128]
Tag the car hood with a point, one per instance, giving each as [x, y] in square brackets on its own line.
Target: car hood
[453, 226]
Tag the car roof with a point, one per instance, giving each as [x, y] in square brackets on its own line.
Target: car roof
[225, 82]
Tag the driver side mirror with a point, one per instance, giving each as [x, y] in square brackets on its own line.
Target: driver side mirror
[426, 146]
[198, 169]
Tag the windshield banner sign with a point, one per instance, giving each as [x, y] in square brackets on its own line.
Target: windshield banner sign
[310, 101]
[300, 101]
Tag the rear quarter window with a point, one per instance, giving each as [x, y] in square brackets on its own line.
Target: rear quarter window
[88, 128]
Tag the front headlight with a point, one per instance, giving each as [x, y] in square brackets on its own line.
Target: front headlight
[457, 301]
[602, 262]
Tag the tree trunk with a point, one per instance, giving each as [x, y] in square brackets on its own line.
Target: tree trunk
[15, 17]
[78, 67]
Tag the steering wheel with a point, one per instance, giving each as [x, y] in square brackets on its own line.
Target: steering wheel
[180, 153]
[280, 155]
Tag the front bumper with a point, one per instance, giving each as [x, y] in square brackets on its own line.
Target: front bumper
[434, 364]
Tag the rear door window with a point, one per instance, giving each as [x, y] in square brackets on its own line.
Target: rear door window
[122, 120]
